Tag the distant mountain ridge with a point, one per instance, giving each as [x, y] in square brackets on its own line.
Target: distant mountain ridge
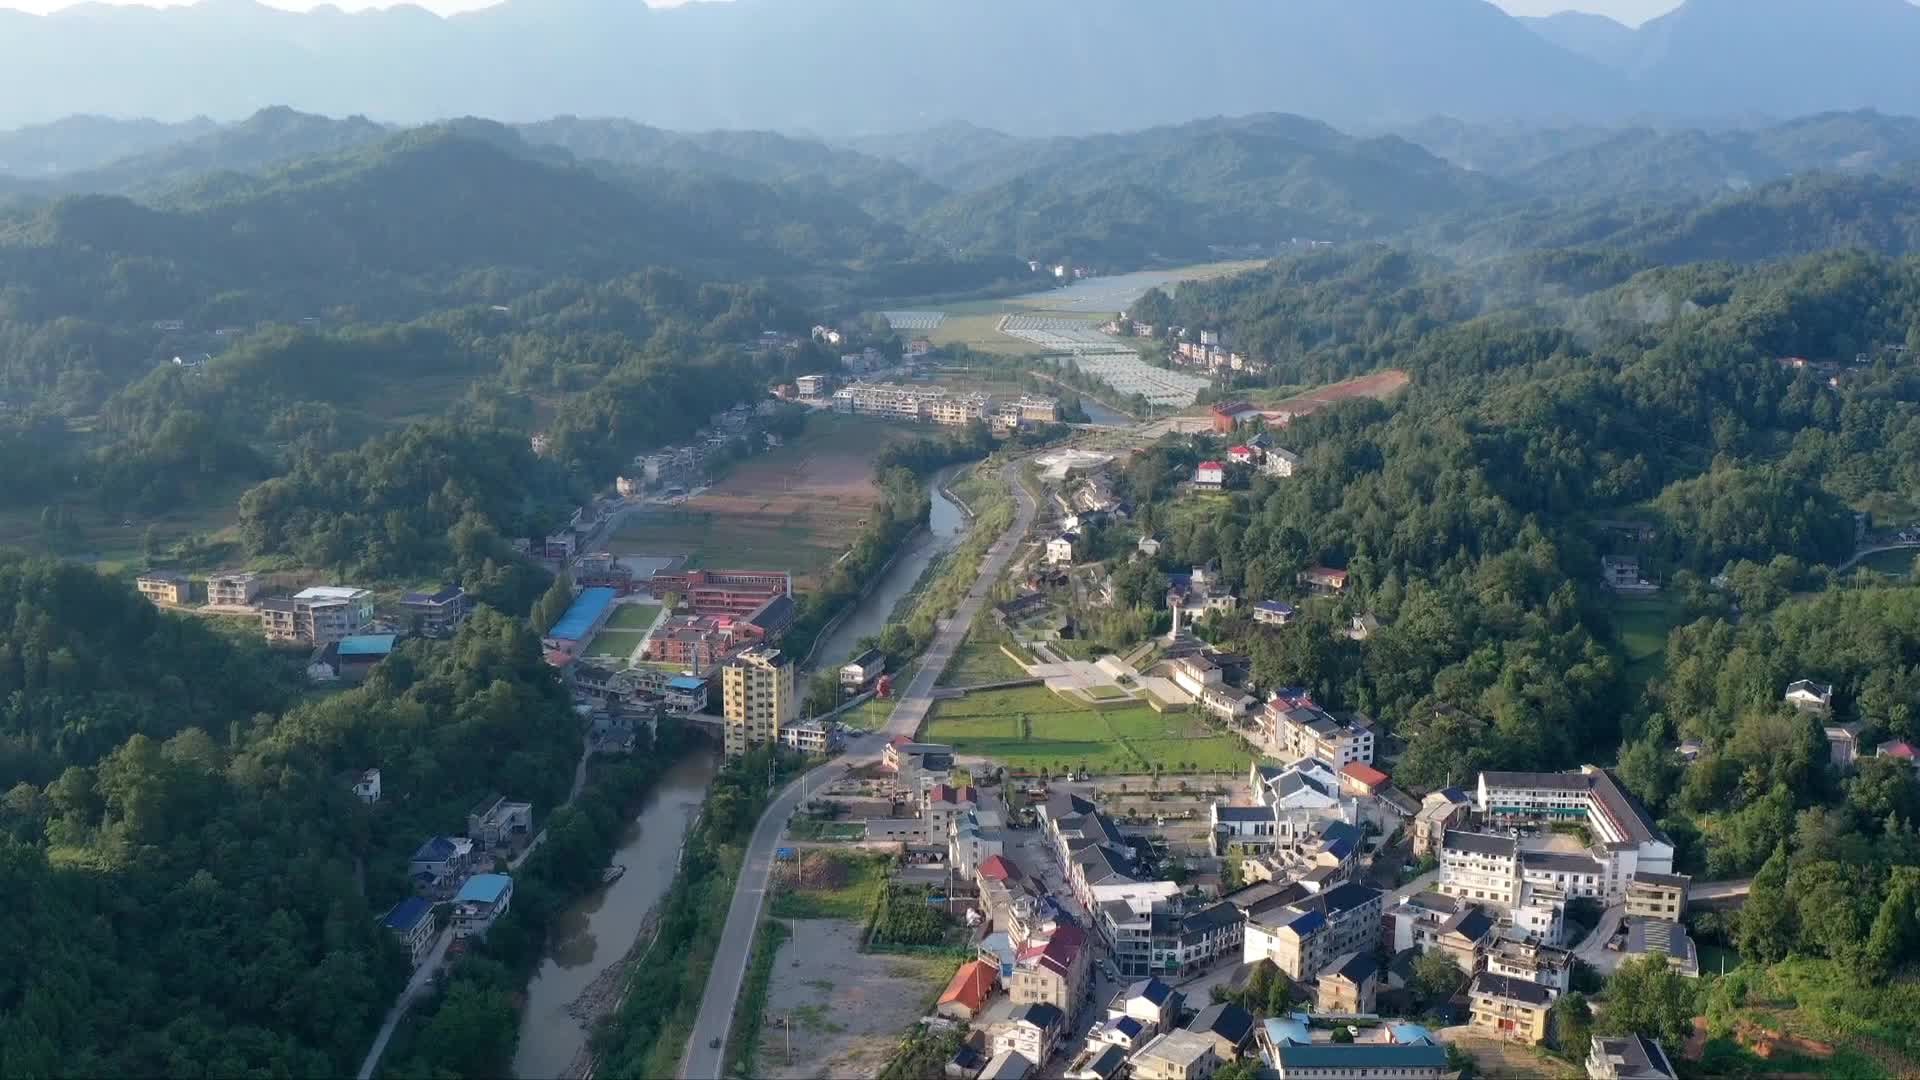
[1027, 67]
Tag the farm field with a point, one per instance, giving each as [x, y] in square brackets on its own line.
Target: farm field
[633, 617]
[796, 509]
[1031, 727]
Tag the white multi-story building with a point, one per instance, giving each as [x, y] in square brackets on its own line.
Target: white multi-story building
[889, 400]
[1480, 867]
[1625, 840]
[1299, 729]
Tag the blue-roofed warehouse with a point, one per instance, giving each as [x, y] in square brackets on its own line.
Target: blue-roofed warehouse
[584, 619]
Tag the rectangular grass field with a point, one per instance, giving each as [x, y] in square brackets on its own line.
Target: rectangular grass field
[633, 617]
[1031, 727]
[615, 644]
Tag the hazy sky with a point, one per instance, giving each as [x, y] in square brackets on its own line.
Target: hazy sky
[1628, 11]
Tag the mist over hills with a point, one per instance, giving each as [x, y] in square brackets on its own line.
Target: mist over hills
[844, 67]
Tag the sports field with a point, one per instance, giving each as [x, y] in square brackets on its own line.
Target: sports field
[1031, 727]
[615, 644]
[633, 617]
[797, 508]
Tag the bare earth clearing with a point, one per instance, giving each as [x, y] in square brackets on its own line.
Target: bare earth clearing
[849, 1009]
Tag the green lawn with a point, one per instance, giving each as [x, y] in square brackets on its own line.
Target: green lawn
[1643, 625]
[633, 617]
[617, 644]
[1031, 727]
[979, 662]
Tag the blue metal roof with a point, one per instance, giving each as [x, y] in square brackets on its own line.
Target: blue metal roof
[433, 850]
[685, 682]
[581, 617]
[1282, 1030]
[1408, 1034]
[406, 914]
[367, 645]
[484, 888]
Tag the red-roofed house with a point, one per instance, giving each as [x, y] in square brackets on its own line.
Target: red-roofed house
[1000, 868]
[1053, 972]
[1359, 778]
[1210, 474]
[944, 802]
[1898, 748]
[968, 992]
[1242, 455]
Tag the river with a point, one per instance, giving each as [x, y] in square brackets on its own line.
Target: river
[944, 526]
[599, 930]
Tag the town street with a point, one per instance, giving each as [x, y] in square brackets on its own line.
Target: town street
[706, 1047]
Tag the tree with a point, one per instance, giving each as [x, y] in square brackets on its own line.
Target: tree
[1572, 1022]
[1766, 931]
[1435, 975]
[554, 602]
[1647, 997]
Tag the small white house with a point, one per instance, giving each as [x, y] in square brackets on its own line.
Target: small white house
[1061, 549]
[367, 788]
[1809, 696]
[1210, 474]
[1282, 463]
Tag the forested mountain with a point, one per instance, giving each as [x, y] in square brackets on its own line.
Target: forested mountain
[1794, 216]
[269, 137]
[77, 143]
[886, 189]
[1586, 162]
[1181, 191]
[464, 211]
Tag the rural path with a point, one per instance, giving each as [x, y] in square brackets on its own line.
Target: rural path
[422, 978]
[706, 1046]
[1867, 552]
[423, 975]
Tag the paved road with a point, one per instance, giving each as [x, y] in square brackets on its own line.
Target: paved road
[1594, 949]
[706, 1047]
[415, 986]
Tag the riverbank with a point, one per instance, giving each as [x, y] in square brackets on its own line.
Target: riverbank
[648, 1028]
[601, 936]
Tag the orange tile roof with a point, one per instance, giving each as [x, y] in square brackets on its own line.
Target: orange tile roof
[970, 985]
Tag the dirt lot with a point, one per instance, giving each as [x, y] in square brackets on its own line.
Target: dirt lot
[1379, 385]
[797, 509]
[849, 1009]
[1501, 1058]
